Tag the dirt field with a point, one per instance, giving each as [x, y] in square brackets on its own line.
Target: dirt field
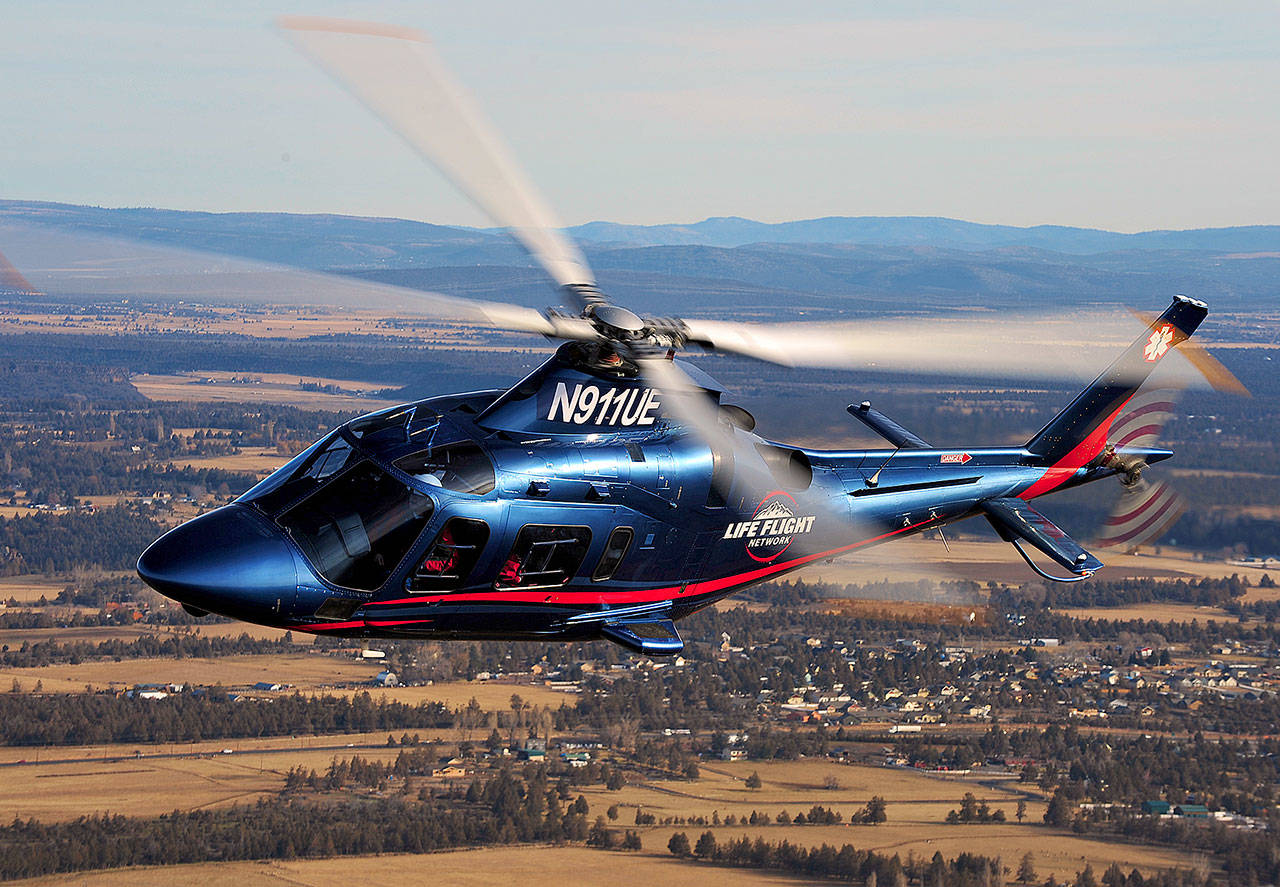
[303, 671]
[125, 753]
[1160, 612]
[532, 866]
[283, 322]
[97, 634]
[255, 460]
[299, 671]
[917, 805]
[920, 558]
[273, 388]
[28, 589]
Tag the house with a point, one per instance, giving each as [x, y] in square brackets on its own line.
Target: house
[1194, 811]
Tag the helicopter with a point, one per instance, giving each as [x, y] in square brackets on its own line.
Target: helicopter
[613, 491]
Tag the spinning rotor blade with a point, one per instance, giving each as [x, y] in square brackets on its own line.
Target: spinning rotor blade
[1143, 513]
[396, 74]
[1145, 510]
[1020, 346]
[1218, 376]
[751, 475]
[81, 264]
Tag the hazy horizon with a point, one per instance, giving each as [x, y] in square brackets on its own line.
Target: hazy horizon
[1149, 117]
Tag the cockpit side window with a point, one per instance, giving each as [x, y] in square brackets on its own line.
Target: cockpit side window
[452, 556]
[359, 526]
[462, 467]
[544, 556]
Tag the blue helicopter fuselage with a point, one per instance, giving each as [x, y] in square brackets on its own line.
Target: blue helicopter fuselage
[566, 505]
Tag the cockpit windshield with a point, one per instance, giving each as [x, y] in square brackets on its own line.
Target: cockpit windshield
[313, 468]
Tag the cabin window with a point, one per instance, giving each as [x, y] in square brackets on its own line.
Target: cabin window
[614, 551]
[544, 556]
[451, 558]
[462, 467]
[357, 528]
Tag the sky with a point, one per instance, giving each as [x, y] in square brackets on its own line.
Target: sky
[1127, 116]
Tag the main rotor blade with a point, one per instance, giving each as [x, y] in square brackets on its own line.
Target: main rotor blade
[1217, 375]
[396, 73]
[1042, 348]
[63, 263]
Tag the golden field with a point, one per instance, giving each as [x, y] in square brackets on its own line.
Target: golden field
[532, 866]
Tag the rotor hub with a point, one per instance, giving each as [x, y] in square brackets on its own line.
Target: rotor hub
[616, 322]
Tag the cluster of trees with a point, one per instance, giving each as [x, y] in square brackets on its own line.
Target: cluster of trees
[873, 813]
[423, 369]
[35, 382]
[57, 473]
[150, 425]
[510, 808]
[150, 646]
[1125, 592]
[973, 810]
[1240, 776]
[845, 863]
[98, 591]
[111, 539]
[93, 718]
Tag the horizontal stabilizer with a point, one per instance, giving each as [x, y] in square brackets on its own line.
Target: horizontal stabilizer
[1015, 519]
[657, 637]
[886, 427]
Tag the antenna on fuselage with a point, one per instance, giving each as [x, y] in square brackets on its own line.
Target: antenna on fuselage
[874, 480]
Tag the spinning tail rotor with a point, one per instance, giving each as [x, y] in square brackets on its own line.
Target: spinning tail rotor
[1146, 509]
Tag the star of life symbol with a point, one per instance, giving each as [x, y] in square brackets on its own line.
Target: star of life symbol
[1159, 343]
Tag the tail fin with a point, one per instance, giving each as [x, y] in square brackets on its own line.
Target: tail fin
[1079, 432]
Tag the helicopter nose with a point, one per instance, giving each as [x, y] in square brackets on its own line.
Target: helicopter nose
[229, 561]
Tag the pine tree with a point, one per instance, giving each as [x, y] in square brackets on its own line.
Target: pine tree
[1027, 868]
[706, 846]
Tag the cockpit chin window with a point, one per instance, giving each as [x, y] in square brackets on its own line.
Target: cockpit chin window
[359, 526]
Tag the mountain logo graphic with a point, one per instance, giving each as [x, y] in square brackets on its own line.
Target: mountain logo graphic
[774, 509]
[772, 528]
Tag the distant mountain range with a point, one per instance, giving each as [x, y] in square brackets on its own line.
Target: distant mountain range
[342, 236]
[841, 265]
[928, 231]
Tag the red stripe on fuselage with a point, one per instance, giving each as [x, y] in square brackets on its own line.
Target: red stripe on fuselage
[649, 595]
[1083, 453]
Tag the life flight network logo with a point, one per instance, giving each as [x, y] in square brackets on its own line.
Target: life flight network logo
[772, 528]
